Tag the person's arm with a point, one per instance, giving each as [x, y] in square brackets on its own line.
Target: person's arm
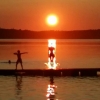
[15, 53]
[24, 52]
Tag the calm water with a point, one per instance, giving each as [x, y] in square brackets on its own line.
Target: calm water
[35, 88]
[69, 53]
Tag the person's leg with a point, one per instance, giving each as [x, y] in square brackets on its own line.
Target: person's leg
[21, 65]
[52, 57]
[16, 64]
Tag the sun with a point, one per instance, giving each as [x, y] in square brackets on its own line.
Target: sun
[52, 20]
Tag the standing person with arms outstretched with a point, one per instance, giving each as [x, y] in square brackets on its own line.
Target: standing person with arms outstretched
[19, 60]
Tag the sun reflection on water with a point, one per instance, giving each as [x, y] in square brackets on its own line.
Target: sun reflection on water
[51, 90]
[52, 54]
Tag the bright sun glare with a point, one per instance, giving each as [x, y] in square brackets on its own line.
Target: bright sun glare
[52, 20]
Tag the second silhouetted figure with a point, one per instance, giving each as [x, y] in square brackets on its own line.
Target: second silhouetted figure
[19, 60]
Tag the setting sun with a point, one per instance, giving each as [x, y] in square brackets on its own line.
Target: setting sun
[52, 20]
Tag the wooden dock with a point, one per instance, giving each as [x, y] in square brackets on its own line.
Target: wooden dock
[48, 72]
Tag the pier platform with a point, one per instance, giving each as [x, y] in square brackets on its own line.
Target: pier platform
[48, 72]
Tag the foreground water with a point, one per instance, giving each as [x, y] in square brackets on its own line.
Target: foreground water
[35, 88]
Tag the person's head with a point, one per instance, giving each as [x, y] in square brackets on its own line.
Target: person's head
[9, 61]
[18, 51]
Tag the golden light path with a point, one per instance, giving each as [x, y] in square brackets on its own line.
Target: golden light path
[52, 20]
[52, 54]
[51, 91]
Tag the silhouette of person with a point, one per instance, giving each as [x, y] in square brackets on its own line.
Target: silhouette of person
[19, 60]
[51, 55]
[9, 61]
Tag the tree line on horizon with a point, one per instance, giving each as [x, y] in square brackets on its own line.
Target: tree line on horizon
[27, 34]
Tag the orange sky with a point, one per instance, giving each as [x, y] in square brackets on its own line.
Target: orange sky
[31, 14]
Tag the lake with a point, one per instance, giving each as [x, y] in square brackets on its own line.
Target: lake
[70, 53]
[35, 88]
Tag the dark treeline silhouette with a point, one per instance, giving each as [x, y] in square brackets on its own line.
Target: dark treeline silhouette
[27, 34]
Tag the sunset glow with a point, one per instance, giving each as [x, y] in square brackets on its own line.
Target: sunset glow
[38, 15]
[52, 20]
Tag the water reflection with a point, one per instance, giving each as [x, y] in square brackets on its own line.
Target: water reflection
[18, 87]
[51, 90]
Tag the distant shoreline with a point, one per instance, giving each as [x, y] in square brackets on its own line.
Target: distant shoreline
[27, 34]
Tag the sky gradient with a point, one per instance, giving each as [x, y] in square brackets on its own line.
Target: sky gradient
[31, 14]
